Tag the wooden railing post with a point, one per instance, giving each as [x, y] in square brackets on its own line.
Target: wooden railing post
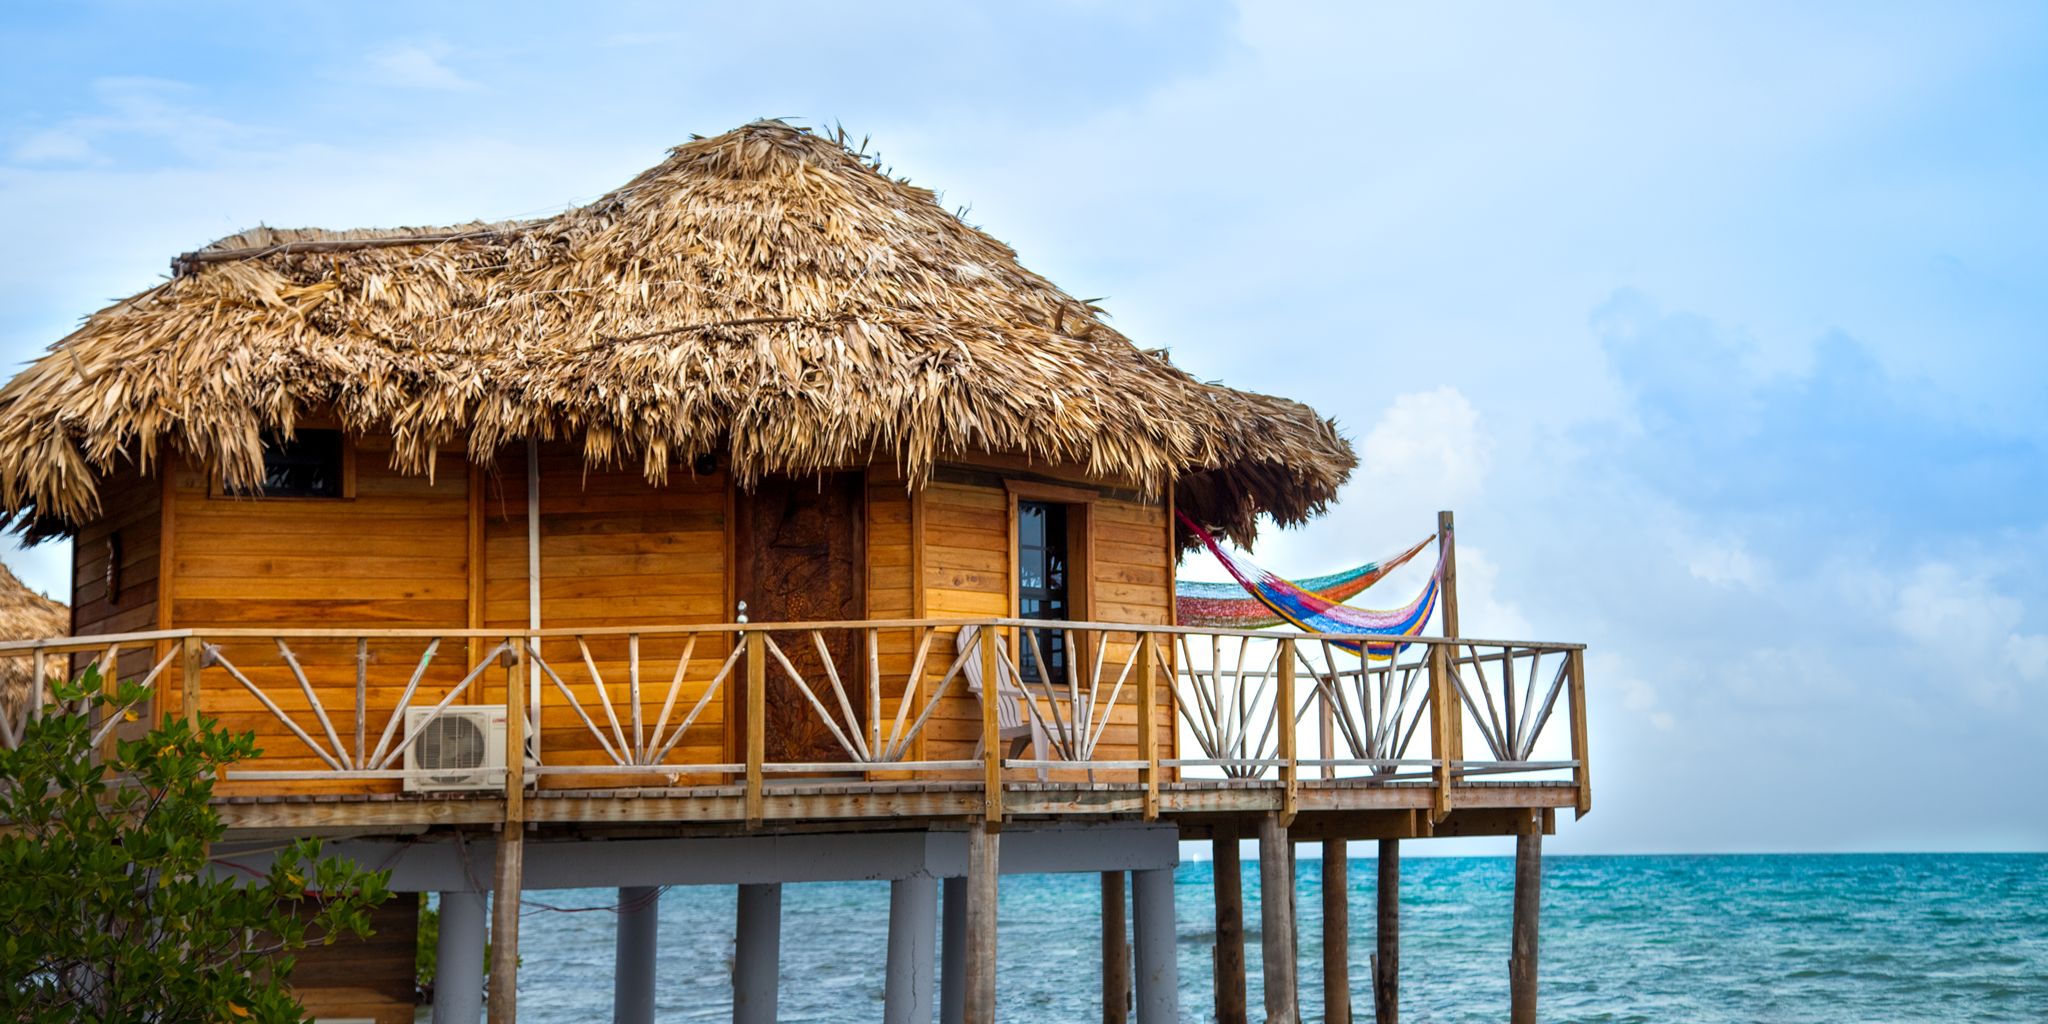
[1575, 692]
[1447, 539]
[1290, 769]
[1443, 712]
[191, 658]
[515, 734]
[991, 730]
[511, 866]
[39, 670]
[757, 726]
[1148, 722]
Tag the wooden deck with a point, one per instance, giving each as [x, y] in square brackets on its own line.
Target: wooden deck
[1341, 808]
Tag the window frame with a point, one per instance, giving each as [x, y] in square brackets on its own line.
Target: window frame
[1080, 550]
[216, 489]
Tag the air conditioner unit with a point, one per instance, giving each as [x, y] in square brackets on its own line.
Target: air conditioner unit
[463, 748]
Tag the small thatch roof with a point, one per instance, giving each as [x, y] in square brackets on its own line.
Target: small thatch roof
[766, 293]
[26, 615]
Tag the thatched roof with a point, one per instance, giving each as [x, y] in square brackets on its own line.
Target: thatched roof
[768, 294]
[26, 615]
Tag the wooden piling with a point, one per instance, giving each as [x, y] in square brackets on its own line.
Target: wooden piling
[511, 867]
[1276, 920]
[1116, 952]
[1230, 1008]
[983, 845]
[1336, 933]
[504, 980]
[1528, 907]
[1386, 963]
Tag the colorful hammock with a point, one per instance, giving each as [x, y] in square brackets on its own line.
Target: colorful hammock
[1310, 611]
[1229, 605]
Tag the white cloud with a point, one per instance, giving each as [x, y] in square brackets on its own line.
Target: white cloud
[1427, 442]
[1964, 623]
[132, 111]
[2028, 654]
[419, 66]
[1482, 610]
[1726, 563]
[57, 145]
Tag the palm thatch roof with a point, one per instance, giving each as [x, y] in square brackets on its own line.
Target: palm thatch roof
[26, 615]
[769, 294]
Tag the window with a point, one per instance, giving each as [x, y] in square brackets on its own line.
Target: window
[311, 464]
[1042, 569]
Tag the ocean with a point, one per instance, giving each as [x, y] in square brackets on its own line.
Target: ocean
[1852, 939]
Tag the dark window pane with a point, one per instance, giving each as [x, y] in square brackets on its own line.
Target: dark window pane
[309, 465]
[1042, 584]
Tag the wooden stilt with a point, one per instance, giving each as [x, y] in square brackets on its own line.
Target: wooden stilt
[1229, 930]
[503, 1001]
[504, 981]
[982, 853]
[1116, 952]
[1336, 933]
[1386, 962]
[1528, 906]
[1276, 920]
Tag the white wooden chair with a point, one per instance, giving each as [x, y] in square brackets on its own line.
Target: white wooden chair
[1013, 724]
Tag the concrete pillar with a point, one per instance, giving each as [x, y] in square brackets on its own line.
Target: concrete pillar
[633, 958]
[459, 960]
[978, 1003]
[907, 988]
[1158, 972]
[1276, 920]
[1116, 952]
[952, 959]
[1229, 874]
[757, 954]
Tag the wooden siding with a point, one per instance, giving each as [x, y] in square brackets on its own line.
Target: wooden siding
[133, 510]
[393, 556]
[969, 571]
[450, 552]
[372, 978]
[614, 551]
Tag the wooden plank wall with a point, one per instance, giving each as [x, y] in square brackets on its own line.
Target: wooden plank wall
[132, 509]
[393, 556]
[614, 551]
[892, 591]
[1131, 580]
[968, 572]
[373, 978]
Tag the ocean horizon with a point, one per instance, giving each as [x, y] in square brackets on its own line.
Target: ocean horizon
[1709, 938]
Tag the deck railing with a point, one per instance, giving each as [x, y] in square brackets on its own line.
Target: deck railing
[1103, 705]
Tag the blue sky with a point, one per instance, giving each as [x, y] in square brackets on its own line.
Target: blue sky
[1723, 330]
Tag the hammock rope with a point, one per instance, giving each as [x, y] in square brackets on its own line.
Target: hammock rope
[1311, 611]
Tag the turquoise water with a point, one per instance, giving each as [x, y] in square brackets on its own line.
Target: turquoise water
[1807, 939]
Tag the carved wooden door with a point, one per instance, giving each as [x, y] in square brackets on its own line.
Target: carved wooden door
[801, 558]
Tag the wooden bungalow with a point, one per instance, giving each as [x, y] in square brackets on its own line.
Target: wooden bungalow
[723, 499]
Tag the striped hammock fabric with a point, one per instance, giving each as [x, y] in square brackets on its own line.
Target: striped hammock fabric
[1307, 607]
[1230, 606]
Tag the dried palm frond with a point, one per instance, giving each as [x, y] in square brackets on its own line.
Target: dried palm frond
[765, 293]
